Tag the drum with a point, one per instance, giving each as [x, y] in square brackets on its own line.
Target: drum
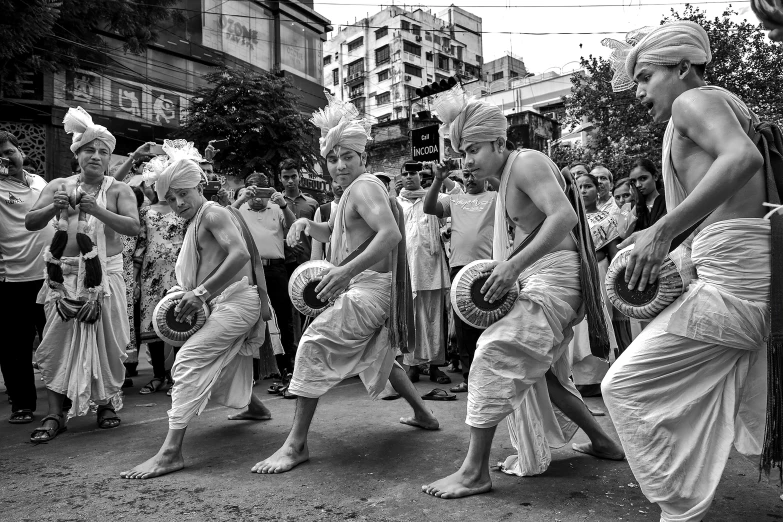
[676, 273]
[468, 302]
[168, 329]
[301, 287]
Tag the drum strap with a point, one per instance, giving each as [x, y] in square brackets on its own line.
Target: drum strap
[525, 241]
[258, 269]
[361, 248]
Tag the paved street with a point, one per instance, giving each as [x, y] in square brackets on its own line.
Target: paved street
[364, 466]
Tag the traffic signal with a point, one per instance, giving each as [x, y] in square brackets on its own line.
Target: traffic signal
[436, 87]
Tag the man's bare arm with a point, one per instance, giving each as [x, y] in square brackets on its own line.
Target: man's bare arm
[126, 220]
[218, 222]
[431, 205]
[44, 209]
[372, 204]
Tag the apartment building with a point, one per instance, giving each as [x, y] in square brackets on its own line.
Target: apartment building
[378, 62]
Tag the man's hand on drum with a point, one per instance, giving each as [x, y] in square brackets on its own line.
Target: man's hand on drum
[295, 232]
[503, 278]
[645, 260]
[334, 282]
[187, 307]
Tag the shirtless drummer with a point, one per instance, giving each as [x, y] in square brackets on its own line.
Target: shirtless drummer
[350, 338]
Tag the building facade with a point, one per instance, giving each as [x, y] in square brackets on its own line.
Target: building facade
[145, 97]
[378, 62]
[498, 74]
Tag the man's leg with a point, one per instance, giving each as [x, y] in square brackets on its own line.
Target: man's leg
[55, 401]
[472, 478]
[254, 411]
[167, 460]
[294, 450]
[600, 445]
[277, 286]
[422, 417]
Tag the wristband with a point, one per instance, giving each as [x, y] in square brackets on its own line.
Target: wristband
[202, 293]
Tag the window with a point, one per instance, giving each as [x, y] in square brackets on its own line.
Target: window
[382, 55]
[459, 53]
[413, 70]
[427, 36]
[356, 67]
[443, 62]
[300, 50]
[380, 33]
[513, 74]
[384, 75]
[383, 98]
[445, 42]
[497, 76]
[327, 60]
[384, 117]
[416, 29]
[357, 91]
[352, 46]
[429, 56]
[336, 77]
[437, 39]
[478, 58]
[411, 48]
[405, 25]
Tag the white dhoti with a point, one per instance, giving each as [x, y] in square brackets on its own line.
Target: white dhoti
[216, 363]
[431, 328]
[84, 361]
[513, 355]
[348, 339]
[694, 381]
[586, 367]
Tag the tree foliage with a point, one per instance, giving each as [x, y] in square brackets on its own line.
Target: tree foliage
[56, 35]
[258, 115]
[743, 61]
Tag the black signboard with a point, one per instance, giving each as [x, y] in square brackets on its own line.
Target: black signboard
[426, 143]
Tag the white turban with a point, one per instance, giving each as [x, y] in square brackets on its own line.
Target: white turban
[182, 174]
[178, 168]
[667, 44]
[341, 126]
[80, 124]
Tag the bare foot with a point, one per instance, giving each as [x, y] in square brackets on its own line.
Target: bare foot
[425, 421]
[160, 464]
[457, 486]
[284, 459]
[614, 452]
[252, 413]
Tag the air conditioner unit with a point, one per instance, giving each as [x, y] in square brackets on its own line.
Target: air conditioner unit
[418, 38]
[407, 77]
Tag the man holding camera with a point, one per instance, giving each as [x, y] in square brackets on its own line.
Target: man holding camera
[21, 269]
[429, 277]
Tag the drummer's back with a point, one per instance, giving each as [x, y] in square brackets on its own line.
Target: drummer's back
[520, 208]
[211, 255]
[357, 229]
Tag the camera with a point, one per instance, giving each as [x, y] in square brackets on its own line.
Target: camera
[211, 189]
[413, 167]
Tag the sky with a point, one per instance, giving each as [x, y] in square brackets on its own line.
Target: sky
[553, 52]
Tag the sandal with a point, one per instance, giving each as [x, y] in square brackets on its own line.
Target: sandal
[460, 388]
[287, 394]
[151, 387]
[439, 377]
[438, 394]
[21, 417]
[105, 422]
[275, 388]
[50, 433]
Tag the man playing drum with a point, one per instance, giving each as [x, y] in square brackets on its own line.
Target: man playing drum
[521, 366]
[351, 337]
[213, 268]
[694, 381]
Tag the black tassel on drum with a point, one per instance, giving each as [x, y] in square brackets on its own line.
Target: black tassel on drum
[93, 275]
[59, 242]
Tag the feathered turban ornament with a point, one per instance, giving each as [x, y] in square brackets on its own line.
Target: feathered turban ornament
[178, 168]
[341, 126]
[468, 120]
[80, 124]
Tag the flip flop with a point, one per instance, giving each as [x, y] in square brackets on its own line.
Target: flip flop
[51, 433]
[151, 387]
[438, 394]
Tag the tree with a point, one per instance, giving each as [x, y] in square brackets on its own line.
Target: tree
[258, 115]
[743, 62]
[55, 35]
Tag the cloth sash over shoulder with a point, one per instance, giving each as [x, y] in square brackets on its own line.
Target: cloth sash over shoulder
[400, 324]
[588, 267]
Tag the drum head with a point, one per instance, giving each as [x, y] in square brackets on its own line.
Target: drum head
[469, 303]
[302, 284]
[166, 326]
[634, 297]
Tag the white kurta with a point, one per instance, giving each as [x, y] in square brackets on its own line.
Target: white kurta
[694, 381]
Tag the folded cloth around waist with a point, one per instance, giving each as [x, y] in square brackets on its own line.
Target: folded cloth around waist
[728, 303]
[73, 279]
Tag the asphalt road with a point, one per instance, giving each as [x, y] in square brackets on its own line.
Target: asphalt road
[364, 466]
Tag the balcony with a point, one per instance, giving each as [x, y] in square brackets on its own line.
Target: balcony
[357, 77]
[356, 93]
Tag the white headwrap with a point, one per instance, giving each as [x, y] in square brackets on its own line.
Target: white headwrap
[341, 126]
[80, 124]
[466, 120]
[667, 44]
[179, 168]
